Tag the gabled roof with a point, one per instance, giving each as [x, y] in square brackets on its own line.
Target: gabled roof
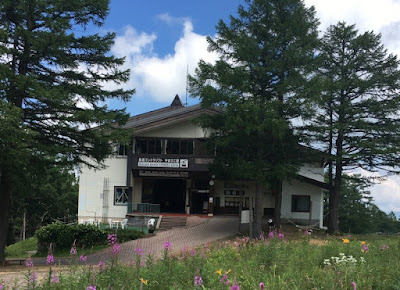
[172, 114]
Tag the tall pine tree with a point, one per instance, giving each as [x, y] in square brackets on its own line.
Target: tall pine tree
[260, 82]
[356, 122]
[49, 67]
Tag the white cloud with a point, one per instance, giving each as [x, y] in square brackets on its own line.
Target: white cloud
[161, 78]
[380, 16]
[386, 193]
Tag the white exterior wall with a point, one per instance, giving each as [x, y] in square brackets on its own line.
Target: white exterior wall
[312, 171]
[91, 187]
[300, 188]
[180, 130]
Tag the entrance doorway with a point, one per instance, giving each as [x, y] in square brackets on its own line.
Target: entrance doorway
[199, 201]
[170, 194]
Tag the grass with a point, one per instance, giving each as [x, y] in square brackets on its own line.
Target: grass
[295, 261]
[20, 249]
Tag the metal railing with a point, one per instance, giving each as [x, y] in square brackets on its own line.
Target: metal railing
[144, 207]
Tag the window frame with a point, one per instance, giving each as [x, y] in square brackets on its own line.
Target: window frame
[127, 195]
[294, 208]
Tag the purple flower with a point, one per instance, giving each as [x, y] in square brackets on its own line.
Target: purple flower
[82, 258]
[261, 286]
[1, 286]
[271, 234]
[112, 239]
[54, 278]
[73, 251]
[50, 260]
[29, 262]
[116, 249]
[354, 285]
[138, 251]
[281, 235]
[364, 248]
[91, 287]
[193, 252]
[167, 246]
[32, 278]
[198, 281]
[101, 265]
[384, 247]
[235, 287]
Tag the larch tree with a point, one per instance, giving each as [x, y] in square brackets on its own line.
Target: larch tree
[260, 82]
[53, 77]
[356, 120]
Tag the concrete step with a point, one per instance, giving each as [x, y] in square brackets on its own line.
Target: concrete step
[169, 222]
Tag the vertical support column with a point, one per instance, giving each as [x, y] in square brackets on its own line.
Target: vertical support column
[187, 197]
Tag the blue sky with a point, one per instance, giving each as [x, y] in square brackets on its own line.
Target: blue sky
[161, 39]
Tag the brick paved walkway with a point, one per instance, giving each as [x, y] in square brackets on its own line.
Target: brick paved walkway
[209, 230]
[197, 233]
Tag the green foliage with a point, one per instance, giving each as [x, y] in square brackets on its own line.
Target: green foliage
[20, 249]
[259, 83]
[356, 114]
[62, 236]
[126, 234]
[357, 212]
[276, 263]
[44, 195]
[55, 80]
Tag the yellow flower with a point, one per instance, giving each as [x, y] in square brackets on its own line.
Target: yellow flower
[363, 243]
[345, 241]
[219, 272]
[144, 281]
[228, 272]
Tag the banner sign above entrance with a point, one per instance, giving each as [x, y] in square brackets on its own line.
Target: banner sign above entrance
[163, 173]
[163, 162]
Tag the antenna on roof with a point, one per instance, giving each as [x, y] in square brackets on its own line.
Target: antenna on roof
[187, 84]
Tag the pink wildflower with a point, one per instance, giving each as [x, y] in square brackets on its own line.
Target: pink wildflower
[50, 260]
[271, 234]
[73, 251]
[198, 281]
[354, 285]
[193, 252]
[91, 287]
[116, 249]
[33, 277]
[54, 278]
[167, 245]
[261, 286]
[82, 258]
[29, 262]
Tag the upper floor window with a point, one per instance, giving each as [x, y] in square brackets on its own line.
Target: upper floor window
[165, 146]
[122, 149]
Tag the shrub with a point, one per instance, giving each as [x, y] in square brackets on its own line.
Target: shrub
[126, 235]
[62, 236]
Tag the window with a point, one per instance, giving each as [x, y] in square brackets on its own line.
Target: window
[141, 146]
[300, 203]
[121, 195]
[154, 146]
[122, 149]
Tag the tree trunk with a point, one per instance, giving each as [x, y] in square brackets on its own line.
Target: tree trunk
[258, 212]
[5, 202]
[334, 192]
[333, 217]
[277, 193]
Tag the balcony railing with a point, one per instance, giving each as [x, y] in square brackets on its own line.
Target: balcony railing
[144, 207]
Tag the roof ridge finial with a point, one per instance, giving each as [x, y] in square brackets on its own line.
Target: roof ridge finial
[177, 102]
